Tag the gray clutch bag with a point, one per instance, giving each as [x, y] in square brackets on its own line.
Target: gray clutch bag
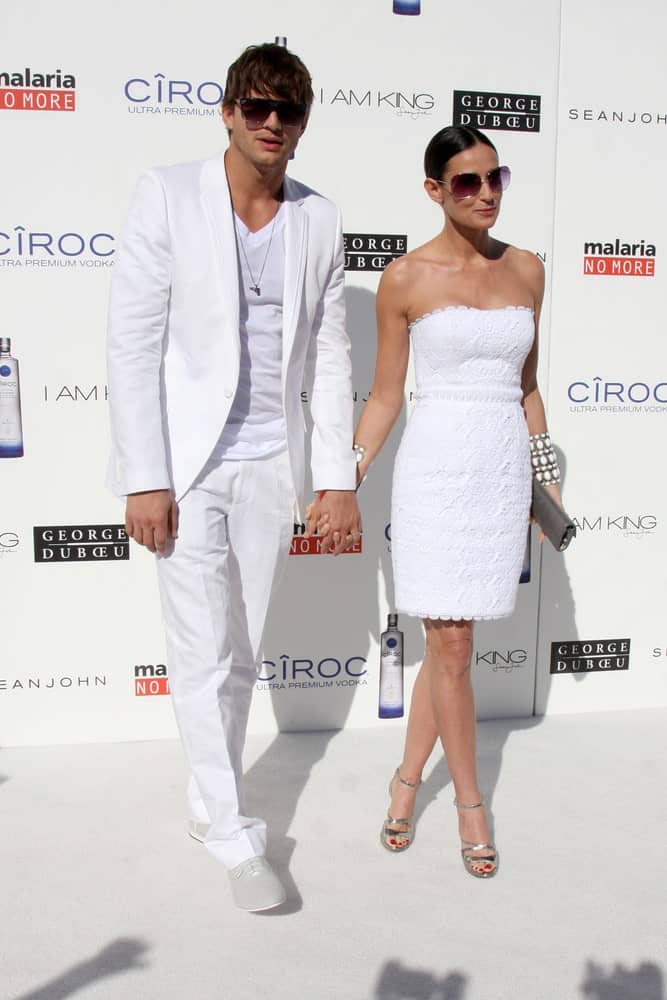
[558, 526]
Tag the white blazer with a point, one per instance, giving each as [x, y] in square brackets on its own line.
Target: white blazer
[173, 338]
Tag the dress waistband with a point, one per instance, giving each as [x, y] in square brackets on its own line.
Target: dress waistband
[476, 393]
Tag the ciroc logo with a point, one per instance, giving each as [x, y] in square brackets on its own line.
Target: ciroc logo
[21, 246]
[599, 395]
[289, 672]
[162, 95]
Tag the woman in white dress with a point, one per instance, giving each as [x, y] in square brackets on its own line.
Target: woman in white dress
[462, 478]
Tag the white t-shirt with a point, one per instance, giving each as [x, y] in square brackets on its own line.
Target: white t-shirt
[255, 426]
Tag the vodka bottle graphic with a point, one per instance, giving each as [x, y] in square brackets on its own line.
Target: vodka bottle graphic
[407, 7]
[11, 433]
[525, 569]
[391, 671]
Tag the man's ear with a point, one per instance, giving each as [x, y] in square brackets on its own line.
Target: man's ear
[227, 112]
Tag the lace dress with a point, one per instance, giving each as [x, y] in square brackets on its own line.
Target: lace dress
[462, 478]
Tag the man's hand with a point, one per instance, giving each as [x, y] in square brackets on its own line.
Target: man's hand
[337, 520]
[152, 519]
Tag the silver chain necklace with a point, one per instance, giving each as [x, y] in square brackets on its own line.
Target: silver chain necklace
[255, 286]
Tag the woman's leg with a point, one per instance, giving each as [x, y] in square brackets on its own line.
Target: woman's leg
[443, 705]
[420, 739]
[449, 655]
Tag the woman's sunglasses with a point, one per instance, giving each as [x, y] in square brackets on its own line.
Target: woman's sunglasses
[463, 186]
[256, 111]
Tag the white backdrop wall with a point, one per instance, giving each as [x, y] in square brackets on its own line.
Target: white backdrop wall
[607, 372]
[82, 637]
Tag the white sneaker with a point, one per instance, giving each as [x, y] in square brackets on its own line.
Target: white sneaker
[197, 830]
[255, 885]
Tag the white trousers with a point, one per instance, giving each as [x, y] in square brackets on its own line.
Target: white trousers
[235, 528]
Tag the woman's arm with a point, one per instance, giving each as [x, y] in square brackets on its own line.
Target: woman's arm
[393, 350]
[386, 397]
[533, 273]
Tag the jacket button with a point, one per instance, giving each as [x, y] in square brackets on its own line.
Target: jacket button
[229, 392]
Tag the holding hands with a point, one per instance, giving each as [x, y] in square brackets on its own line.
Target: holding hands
[334, 516]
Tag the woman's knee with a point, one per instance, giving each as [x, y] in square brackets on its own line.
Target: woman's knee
[449, 645]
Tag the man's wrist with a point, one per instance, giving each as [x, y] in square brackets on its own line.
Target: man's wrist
[321, 493]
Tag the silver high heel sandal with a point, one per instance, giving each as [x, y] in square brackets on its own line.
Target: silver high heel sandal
[398, 840]
[488, 862]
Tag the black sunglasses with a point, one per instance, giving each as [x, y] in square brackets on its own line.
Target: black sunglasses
[256, 111]
[469, 185]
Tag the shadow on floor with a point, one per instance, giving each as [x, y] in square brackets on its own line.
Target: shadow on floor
[646, 982]
[293, 754]
[493, 735]
[399, 982]
[122, 955]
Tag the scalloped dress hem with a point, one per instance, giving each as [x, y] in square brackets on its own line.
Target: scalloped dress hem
[455, 618]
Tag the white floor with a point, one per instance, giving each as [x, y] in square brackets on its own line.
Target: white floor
[103, 896]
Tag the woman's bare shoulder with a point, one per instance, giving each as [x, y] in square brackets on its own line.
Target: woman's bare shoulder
[402, 272]
[527, 263]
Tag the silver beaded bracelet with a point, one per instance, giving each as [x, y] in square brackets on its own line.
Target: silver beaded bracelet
[543, 459]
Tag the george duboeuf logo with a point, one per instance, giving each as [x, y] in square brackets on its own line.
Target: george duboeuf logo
[486, 109]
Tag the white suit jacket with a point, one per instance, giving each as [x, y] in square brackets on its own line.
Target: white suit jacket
[173, 339]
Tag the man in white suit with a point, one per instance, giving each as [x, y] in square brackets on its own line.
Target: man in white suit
[227, 301]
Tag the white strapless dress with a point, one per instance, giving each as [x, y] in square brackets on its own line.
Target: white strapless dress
[462, 479]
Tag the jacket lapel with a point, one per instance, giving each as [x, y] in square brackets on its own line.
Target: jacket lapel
[220, 218]
[219, 213]
[296, 241]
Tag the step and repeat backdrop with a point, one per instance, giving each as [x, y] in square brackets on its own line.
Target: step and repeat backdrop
[574, 100]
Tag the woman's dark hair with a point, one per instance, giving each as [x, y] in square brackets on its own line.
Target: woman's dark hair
[268, 69]
[447, 143]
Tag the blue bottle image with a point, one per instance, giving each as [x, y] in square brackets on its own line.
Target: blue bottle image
[11, 432]
[525, 569]
[407, 7]
[391, 671]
